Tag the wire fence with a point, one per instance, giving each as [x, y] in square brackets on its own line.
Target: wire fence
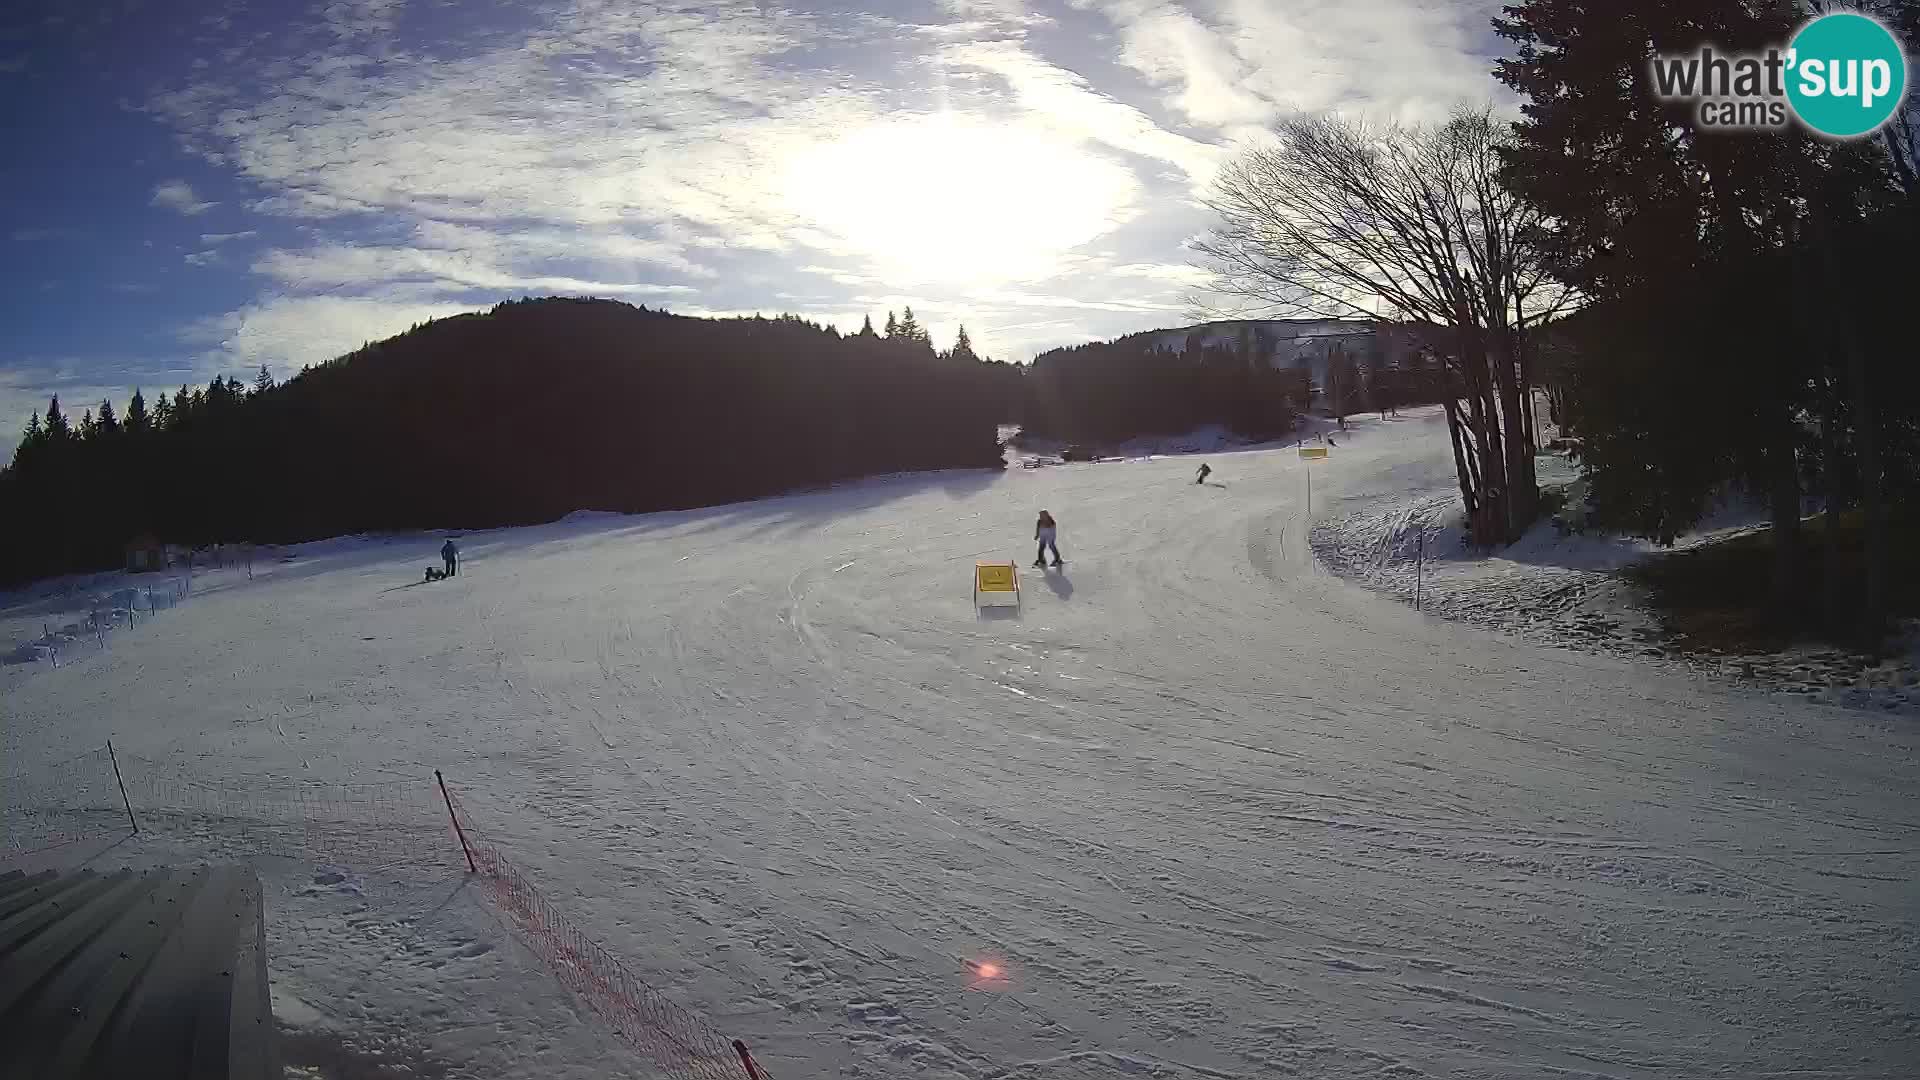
[94, 620]
[403, 827]
[63, 803]
[679, 1042]
[385, 826]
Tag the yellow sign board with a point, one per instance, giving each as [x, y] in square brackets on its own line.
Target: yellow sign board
[1313, 453]
[994, 577]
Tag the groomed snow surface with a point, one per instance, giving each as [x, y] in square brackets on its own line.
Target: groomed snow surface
[1211, 810]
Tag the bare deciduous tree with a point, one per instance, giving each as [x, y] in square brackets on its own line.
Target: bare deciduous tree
[1341, 219]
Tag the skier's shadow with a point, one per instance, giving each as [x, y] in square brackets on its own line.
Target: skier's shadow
[1061, 586]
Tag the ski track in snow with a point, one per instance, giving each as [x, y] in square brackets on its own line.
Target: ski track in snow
[1214, 812]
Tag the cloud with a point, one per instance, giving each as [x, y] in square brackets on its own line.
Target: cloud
[288, 332]
[1255, 59]
[1178, 274]
[211, 239]
[352, 19]
[427, 272]
[178, 195]
[997, 14]
[973, 159]
[1066, 102]
[208, 257]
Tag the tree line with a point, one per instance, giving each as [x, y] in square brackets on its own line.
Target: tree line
[1708, 311]
[1746, 323]
[1110, 391]
[520, 414]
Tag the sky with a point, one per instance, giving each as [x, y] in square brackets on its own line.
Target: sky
[203, 187]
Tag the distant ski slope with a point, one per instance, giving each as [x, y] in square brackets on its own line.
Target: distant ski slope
[1213, 811]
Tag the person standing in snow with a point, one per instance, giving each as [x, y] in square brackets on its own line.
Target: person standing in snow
[1044, 531]
[1204, 470]
[449, 553]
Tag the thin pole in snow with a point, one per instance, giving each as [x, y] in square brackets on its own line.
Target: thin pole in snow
[457, 830]
[128, 803]
[1419, 569]
[753, 1070]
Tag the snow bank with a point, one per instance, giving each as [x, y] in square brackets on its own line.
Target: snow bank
[1566, 590]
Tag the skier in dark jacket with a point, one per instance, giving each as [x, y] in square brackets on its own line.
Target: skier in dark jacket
[1044, 531]
[450, 554]
[1204, 470]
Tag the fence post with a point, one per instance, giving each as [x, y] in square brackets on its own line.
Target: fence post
[128, 803]
[753, 1069]
[457, 830]
[1419, 569]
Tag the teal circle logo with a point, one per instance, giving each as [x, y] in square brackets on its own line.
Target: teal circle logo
[1846, 74]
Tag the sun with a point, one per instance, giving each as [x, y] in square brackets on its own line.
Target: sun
[954, 198]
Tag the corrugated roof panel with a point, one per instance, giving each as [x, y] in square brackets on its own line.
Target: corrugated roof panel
[156, 973]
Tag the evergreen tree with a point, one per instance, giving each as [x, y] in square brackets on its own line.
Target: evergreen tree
[86, 429]
[911, 331]
[893, 328]
[30, 439]
[57, 430]
[138, 422]
[315, 457]
[108, 425]
[963, 347]
[263, 382]
[866, 327]
[1647, 209]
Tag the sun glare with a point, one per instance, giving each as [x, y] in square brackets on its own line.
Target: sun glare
[955, 198]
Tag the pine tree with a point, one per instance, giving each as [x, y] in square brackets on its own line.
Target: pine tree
[893, 328]
[910, 329]
[162, 412]
[86, 430]
[963, 347]
[263, 382]
[1647, 208]
[57, 430]
[30, 440]
[108, 425]
[866, 327]
[138, 422]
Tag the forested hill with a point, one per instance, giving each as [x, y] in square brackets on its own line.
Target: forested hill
[515, 415]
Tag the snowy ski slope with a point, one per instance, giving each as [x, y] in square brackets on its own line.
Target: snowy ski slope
[1214, 812]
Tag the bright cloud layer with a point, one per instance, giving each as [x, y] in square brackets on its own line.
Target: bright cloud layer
[1029, 168]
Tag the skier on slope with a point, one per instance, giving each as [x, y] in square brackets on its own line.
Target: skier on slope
[1204, 470]
[1043, 531]
[449, 553]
